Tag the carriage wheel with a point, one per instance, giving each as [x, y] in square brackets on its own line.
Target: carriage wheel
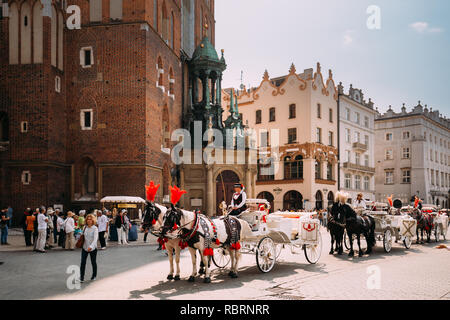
[313, 252]
[266, 255]
[437, 232]
[407, 242]
[221, 258]
[387, 240]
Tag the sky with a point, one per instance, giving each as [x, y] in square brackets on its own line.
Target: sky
[406, 60]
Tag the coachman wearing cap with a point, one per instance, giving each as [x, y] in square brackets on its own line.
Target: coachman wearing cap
[238, 200]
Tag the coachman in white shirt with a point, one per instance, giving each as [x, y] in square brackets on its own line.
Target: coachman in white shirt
[359, 205]
[238, 201]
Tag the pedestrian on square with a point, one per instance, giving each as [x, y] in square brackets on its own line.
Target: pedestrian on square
[126, 225]
[80, 221]
[10, 216]
[321, 217]
[119, 224]
[29, 226]
[60, 230]
[69, 228]
[42, 230]
[4, 221]
[50, 227]
[55, 226]
[35, 228]
[90, 233]
[102, 223]
[325, 217]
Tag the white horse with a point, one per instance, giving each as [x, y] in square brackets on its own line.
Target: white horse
[197, 230]
[154, 214]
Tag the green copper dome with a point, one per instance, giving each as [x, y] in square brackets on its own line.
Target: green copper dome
[205, 51]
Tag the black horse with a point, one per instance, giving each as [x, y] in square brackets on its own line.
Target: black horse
[336, 226]
[424, 222]
[358, 225]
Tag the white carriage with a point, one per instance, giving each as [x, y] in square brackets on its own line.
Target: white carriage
[391, 224]
[440, 221]
[273, 232]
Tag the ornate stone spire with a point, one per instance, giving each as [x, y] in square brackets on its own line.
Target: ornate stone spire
[330, 74]
[292, 69]
[266, 75]
[318, 67]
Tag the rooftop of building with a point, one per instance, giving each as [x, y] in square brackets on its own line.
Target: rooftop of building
[428, 113]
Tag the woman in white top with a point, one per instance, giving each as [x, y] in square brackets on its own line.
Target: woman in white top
[69, 228]
[89, 246]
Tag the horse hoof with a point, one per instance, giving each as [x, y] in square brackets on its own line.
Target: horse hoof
[177, 278]
[202, 271]
[340, 252]
[234, 275]
[331, 252]
[351, 254]
[207, 280]
[360, 254]
[191, 279]
[170, 277]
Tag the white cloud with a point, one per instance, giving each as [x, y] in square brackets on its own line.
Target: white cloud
[424, 27]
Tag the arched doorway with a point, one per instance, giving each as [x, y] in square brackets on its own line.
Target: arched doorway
[330, 198]
[319, 200]
[269, 197]
[292, 200]
[224, 187]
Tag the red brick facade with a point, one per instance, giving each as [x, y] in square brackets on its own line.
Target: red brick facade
[132, 116]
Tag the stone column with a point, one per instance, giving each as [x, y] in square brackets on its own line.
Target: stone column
[209, 191]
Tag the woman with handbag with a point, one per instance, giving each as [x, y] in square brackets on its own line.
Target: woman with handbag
[88, 243]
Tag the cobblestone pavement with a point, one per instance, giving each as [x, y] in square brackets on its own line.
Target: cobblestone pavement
[139, 272]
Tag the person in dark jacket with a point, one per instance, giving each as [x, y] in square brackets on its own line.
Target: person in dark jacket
[238, 201]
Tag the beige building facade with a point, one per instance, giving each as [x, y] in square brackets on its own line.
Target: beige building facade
[412, 154]
[294, 122]
[356, 144]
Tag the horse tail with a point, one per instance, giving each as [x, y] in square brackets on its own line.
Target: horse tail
[372, 239]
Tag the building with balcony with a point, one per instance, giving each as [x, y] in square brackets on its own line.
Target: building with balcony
[294, 122]
[356, 144]
[412, 154]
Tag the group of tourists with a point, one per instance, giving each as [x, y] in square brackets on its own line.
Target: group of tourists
[46, 228]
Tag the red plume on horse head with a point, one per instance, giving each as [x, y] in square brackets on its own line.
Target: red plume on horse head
[151, 191]
[175, 194]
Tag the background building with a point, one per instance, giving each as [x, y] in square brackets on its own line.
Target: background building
[303, 109]
[412, 155]
[356, 144]
[88, 113]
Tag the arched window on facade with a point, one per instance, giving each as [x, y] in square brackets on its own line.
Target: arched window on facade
[60, 41]
[171, 83]
[165, 23]
[318, 170]
[293, 168]
[330, 198]
[54, 38]
[13, 34]
[171, 31]
[160, 81]
[88, 178]
[25, 33]
[329, 171]
[37, 33]
[319, 200]
[293, 200]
